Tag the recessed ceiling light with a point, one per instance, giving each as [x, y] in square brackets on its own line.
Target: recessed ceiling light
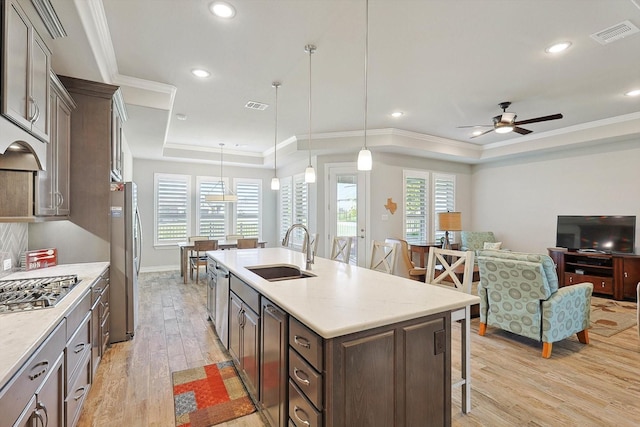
[635, 92]
[397, 114]
[198, 72]
[222, 9]
[181, 117]
[558, 47]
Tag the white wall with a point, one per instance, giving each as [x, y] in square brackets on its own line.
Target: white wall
[519, 200]
[167, 258]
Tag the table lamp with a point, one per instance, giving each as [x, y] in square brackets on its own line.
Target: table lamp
[449, 221]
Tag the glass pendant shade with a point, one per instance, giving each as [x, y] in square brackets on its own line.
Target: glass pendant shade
[309, 175]
[365, 161]
[275, 183]
[224, 194]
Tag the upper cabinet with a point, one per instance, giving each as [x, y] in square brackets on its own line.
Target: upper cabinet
[53, 184]
[25, 73]
[119, 116]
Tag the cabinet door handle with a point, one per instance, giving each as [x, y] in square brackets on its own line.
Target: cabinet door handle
[37, 415]
[59, 199]
[304, 381]
[297, 409]
[78, 348]
[79, 393]
[39, 406]
[301, 341]
[626, 275]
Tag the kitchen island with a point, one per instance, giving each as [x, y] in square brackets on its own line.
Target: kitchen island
[360, 348]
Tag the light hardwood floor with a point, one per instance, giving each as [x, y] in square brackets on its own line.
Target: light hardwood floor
[593, 385]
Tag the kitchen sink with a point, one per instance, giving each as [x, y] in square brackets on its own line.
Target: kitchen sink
[274, 273]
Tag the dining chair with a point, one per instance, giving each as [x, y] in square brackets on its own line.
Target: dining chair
[314, 243]
[341, 248]
[404, 266]
[200, 258]
[234, 236]
[448, 263]
[247, 243]
[383, 256]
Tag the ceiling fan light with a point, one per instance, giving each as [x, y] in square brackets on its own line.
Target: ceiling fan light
[275, 183]
[365, 161]
[309, 175]
[504, 128]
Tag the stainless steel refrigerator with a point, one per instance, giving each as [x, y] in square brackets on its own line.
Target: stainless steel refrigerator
[126, 245]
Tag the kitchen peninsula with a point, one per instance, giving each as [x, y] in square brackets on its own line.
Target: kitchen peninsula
[352, 346]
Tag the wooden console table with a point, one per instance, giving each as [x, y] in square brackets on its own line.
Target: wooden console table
[422, 249]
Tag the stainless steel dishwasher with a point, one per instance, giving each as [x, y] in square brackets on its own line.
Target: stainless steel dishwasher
[221, 321]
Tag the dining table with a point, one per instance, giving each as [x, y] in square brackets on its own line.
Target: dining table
[185, 247]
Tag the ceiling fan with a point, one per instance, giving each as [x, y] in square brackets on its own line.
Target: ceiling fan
[506, 122]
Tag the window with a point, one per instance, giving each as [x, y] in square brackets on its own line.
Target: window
[285, 199]
[172, 208]
[300, 209]
[444, 192]
[248, 221]
[416, 204]
[421, 206]
[211, 217]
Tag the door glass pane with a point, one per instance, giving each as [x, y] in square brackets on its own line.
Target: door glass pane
[347, 211]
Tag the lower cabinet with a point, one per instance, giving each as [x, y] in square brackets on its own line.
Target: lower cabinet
[99, 320]
[273, 363]
[45, 407]
[244, 332]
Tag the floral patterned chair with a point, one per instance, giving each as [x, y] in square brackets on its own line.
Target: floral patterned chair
[475, 241]
[519, 293]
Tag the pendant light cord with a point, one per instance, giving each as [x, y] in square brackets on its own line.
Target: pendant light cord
[366, 60]
[310, 48]
[275, 138]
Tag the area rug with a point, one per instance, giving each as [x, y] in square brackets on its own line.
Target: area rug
[209, 395]
[608, 317]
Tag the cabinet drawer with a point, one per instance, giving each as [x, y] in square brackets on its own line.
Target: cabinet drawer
[602, 285]
[77, 314]
[77, 347]
[306, 378]
[104, 338]
[246, 293]
[23, 385]
[307, 343]
[104, 304]
[78, 392]
[301, 411]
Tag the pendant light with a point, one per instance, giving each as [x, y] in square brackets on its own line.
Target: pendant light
[309, 172]
[365, 162]
[275, 182]
[223, 195]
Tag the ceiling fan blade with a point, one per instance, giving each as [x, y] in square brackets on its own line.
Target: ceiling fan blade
[521, 131]
[539, 119]
[475, 126]
[486, 131]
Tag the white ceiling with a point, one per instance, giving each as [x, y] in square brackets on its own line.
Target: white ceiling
[444, 63]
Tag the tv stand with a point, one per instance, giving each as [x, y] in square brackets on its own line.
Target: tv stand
[613, 275]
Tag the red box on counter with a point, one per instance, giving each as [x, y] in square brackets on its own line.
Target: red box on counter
[41, 258]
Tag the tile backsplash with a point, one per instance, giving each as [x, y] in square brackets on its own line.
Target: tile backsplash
[14, 239]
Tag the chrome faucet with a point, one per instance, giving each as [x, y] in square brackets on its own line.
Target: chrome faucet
[310, 255]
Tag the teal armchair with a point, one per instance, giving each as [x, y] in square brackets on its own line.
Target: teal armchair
[519, 293]
[475, 240]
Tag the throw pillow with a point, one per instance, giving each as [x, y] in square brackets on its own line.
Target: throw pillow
[492, 245]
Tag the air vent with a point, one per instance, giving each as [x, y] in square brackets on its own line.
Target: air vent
[617, 32]
[256, 105]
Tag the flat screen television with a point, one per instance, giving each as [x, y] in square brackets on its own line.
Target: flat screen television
[608, 234]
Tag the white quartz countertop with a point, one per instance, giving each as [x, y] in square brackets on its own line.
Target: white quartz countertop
[21, 333]
[342, 298]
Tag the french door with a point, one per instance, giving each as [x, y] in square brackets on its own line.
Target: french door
[347, 214]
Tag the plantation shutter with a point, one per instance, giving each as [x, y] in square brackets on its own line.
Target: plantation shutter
[444, 192]
[300, 209]
[286, 205]
[248, 208]
[171, 208]
[211, 216]
[416, 206]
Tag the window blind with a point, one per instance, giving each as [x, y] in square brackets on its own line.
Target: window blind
[248, 222]
[286, 205]
[171, 208]
[211, 216]
[416, 205]
[444, 192]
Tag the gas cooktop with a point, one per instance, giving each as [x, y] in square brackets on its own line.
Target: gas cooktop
[32, 294]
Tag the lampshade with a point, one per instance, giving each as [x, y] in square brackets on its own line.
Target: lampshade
[450, 221]
[309, 175]
[503, 128]
[275, 183]
[365, 162]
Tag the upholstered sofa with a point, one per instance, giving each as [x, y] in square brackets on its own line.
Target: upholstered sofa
[519, 293]
[475, 240]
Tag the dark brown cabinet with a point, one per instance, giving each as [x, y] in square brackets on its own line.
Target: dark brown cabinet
[99, 320]
[273, 363]
[53, 184]
[244, 332]
[612, 275]
[26, 66]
